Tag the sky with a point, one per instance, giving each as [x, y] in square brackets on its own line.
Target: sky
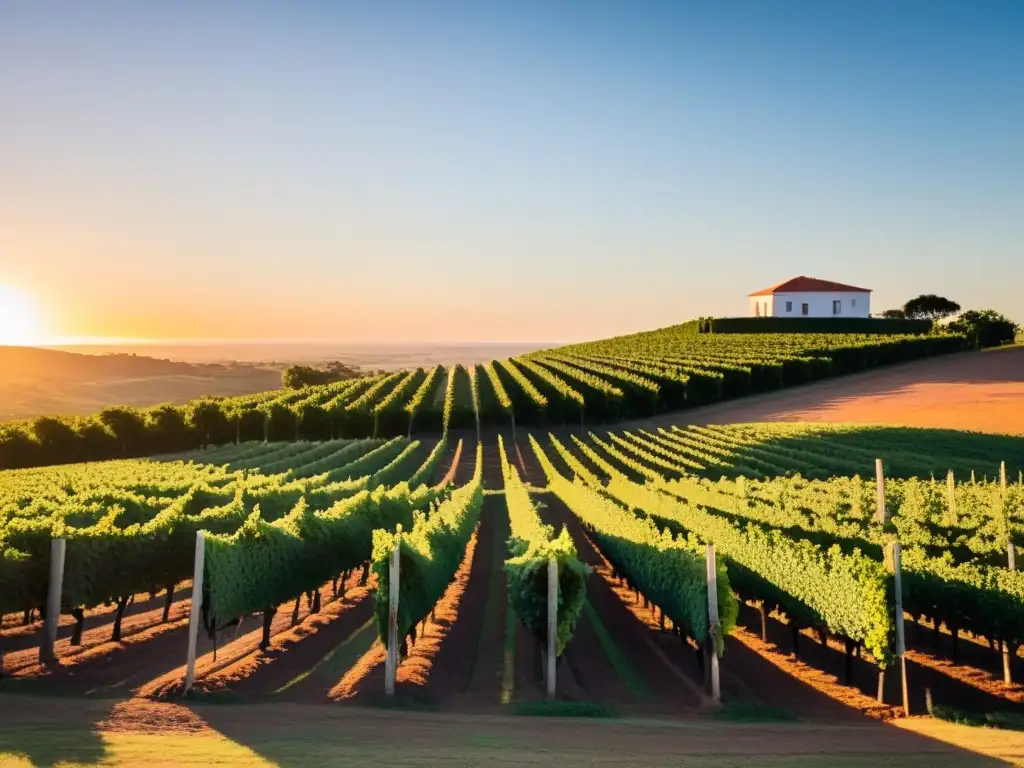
[549, 171]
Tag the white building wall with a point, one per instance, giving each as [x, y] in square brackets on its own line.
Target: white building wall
[762, 306]
[851, 304]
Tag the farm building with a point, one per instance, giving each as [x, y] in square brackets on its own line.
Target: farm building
[811, 297]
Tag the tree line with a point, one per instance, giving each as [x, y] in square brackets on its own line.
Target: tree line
[986, 327]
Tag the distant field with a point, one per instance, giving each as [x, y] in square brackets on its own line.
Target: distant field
[83, 379]
[46, 382]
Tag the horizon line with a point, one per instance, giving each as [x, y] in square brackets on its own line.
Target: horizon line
[73, 341]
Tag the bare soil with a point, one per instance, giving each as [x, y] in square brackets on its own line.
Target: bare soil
[16, 636]
[980, 391]
[659, 684]
[415, 678]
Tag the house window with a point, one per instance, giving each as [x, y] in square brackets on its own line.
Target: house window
[853, 303]
[766, 309]
[757, 308]
[789, 306]
[837, 306]
[804, 309]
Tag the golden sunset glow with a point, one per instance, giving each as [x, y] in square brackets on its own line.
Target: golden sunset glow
[20, 322]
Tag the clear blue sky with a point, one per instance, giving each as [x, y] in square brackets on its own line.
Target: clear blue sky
[523, 171]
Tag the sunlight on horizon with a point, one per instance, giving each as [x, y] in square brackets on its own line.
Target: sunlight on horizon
[21, 323]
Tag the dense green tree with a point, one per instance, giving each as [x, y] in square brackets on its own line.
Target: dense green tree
[986, 327]
[210, 421]
[169, 429]
[893, 314]
[299, 376]
[97, 442]
[128, 425]
[930, 307]
[58, 441]
[19, 448]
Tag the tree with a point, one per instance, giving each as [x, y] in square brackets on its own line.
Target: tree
[209, 419]
[930, 307]
[97, 441]
[299, 376]
[894, 314]
[128, 426]
[58, 441]
[18, 447]
[986, 327]
[169, 429]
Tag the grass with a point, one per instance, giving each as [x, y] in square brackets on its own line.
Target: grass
[614, 655]
[751, 712]
[1010, 721]
[543, 708]
[405, 701]
[48, 732]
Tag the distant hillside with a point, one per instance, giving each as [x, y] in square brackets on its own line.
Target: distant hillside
[36, 382]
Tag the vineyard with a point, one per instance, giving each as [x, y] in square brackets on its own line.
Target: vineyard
[597, 383]
[308, 545]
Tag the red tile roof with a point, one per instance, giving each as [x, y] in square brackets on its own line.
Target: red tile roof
[810, 285]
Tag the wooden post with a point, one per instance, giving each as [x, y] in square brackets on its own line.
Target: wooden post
[951, 489]
[195, 616]
[900, 639]
[391, 664]
[880, 492]
[713, 623]
[552, 625]
[46, 650]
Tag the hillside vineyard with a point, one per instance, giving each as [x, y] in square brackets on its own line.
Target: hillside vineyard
[283, 521]
[586, 384]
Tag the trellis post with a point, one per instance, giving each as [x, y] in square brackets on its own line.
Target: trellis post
[195, 611]
[58, 548]
[901, 648]
[391, 664]
[552, 625]
[713, 623]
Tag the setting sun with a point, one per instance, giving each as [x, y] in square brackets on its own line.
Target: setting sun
[20, 322]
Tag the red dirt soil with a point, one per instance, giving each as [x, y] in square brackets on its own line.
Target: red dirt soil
[260, 673]
[135, 629]
[364, 682]
[16, 636]
[980, 391]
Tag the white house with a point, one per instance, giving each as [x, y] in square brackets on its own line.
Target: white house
[811, 297]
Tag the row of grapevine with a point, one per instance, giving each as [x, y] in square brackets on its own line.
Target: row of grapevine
[814, 528]
[263, 564]
[668, 570]
[602, 401]
[430, 553]
[495, 403]
[530, 547]
[120, 542]
[602, 381]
